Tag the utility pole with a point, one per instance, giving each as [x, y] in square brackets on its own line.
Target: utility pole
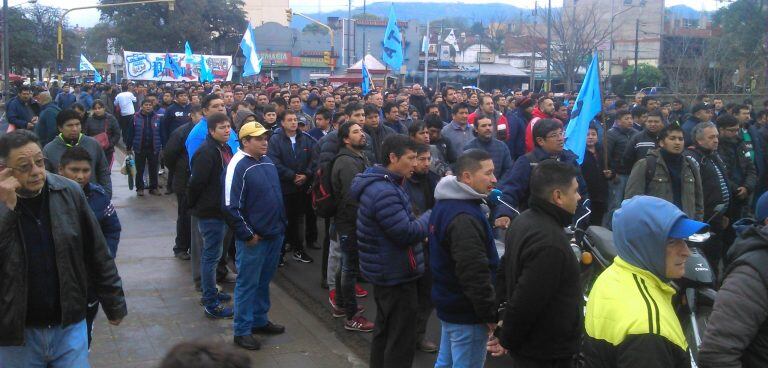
[426, 58]
[6, 60]
[365, 46]
[533, 50]
[547, 87]
[439, 54]
[478, 65]
[349, 29]
[637, 37]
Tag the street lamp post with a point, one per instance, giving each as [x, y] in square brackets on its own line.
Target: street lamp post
[321, 24]
[60, 44]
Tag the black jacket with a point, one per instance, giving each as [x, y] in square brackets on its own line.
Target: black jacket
[741, 171]
[347, 165]
[539, 281]
[737, 333]
[82, 260]
[176, 158]
[205, 186]
[638, 147]
[292, 161]
[714, 179]
[377, 136]
[617, 141]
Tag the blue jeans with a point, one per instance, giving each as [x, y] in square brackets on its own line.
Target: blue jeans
[616, 196]
[462, 346]
[49, 347]
[256, 265]
[212, 231]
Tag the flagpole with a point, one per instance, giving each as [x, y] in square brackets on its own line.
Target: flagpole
[237, 51]
[426, 57]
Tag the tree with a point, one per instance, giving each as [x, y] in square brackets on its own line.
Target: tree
[576, 33]
[32, 41]
[314, 28]
[647, 76]
[154, 28]
[477, 29]
[743, 35]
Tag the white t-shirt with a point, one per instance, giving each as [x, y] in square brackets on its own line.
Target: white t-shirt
[125, 100]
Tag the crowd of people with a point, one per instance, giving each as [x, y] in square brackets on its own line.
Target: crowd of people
[393, 187]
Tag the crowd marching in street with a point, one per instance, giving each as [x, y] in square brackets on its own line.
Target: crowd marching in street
[405, 192]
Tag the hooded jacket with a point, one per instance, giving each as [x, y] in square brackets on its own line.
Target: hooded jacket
[347, 165]
[630, 320]
[462, 255]
[240, 117]
[737, 332]
[388, 233]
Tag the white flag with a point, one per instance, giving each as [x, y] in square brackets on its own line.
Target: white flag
[451, 40]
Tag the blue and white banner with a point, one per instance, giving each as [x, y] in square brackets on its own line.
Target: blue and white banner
[148, 66]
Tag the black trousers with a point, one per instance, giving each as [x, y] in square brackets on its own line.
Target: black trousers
[326, 250]
[424, 288]
[90, 314]
[394, 336]
[310, 222]
[295, 208]
[126, 127]
[146, 159]
[183, 225]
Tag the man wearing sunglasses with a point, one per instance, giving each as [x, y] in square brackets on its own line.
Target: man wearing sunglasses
[51, 251]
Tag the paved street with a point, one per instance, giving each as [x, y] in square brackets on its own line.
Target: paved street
[163, 306]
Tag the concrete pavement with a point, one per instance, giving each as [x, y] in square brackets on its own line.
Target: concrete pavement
[163, 307]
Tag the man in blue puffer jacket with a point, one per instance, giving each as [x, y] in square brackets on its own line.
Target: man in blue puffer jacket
[391, 255]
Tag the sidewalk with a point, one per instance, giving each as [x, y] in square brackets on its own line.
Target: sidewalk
[163, 307]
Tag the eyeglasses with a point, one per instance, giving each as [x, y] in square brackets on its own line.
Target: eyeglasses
[26, 167]
[555, 135]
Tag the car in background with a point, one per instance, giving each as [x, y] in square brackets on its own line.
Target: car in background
[653, 91]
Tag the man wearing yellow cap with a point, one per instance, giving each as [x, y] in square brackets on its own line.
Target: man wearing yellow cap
[254, 206]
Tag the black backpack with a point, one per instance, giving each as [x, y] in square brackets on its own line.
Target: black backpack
[323, 200]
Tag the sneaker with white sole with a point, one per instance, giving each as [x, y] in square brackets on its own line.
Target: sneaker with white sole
[358, 323]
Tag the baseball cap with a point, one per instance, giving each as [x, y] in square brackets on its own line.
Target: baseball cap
[685, 227]
[761, 209]
[252, 129]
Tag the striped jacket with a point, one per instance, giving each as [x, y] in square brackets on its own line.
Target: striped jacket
[630, 321]
[253, 202]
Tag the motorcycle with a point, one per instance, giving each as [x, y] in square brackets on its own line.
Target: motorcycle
[695, 290]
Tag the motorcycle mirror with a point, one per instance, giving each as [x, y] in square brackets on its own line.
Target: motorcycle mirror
[699, 237]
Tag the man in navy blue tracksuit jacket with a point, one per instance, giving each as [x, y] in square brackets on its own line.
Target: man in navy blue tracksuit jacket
[253, 204]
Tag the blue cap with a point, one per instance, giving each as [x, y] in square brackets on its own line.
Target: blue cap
[685, 227]
[761, 208]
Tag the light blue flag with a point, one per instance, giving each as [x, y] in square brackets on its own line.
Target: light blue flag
[86, 66]
[588, 105]
[187, 52]
[392, 53]
[252, 61]
[206, 74]
[366, 85]
[171, 64]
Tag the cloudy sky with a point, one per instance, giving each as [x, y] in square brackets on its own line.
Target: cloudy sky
[88, 18]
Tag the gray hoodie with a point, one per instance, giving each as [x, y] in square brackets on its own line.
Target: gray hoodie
[640, 229]
[100, 173]
[451, 188]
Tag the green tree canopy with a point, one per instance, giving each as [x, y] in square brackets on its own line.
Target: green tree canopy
[314, 28]
[215, 24]
[647, 76]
